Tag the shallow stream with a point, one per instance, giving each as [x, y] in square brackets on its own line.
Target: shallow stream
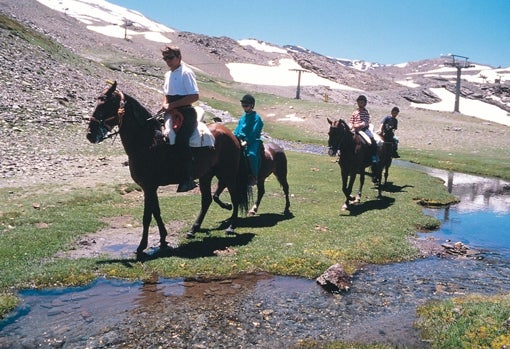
[263, 311]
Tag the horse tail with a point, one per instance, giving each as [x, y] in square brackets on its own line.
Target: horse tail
[281, 167]
[244, 191]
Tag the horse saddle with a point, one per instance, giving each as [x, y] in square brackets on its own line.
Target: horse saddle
[368, 141]
[364, 137]
[201, 136]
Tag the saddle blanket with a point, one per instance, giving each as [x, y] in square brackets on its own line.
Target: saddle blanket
[377, 138]
[201, 136]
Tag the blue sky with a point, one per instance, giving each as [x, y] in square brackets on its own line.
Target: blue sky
[383, 31]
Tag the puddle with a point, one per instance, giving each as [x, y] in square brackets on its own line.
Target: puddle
[262, 311]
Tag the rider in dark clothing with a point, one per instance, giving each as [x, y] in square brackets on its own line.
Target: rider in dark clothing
[390, 124]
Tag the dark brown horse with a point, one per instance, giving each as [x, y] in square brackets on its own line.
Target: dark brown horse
[152, 165]
[386, 154]
[354, 158]
[273, 161]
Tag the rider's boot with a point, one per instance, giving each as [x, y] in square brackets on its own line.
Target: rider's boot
[395, 152]
[188, 183]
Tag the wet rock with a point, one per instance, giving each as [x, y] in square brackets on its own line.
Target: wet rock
[457, 248]
[335, 279]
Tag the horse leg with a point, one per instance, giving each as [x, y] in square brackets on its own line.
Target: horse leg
[234, 196]
[233, 219]
[347, 184]
[206, 200]
[379, 184]
[386, 172]
[281, 175]
[261, 189]
[285, 187]
[216, 196]
[150, 208]
[361, 183]
[161, 226]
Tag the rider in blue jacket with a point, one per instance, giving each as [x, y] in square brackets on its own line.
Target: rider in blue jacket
[248, 131]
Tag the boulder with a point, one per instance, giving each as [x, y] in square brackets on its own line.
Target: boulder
[335, 279]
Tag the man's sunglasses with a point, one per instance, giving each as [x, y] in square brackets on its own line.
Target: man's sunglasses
[168, 58]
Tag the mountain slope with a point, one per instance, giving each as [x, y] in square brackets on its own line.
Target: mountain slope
[54, 65]
[385, 85]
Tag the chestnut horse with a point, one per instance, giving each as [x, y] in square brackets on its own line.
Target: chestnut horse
[354, 158]
[156, 164]
[272, 161]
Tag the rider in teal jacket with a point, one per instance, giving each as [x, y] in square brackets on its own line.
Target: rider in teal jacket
[248, 131]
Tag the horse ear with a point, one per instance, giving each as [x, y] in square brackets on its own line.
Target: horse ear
[112, 88]
[329, 121]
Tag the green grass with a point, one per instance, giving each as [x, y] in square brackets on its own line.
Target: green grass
[466, 322]
[490, 164]
[39, 40]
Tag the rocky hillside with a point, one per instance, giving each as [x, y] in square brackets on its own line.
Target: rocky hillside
[210, 54]
[52, 67]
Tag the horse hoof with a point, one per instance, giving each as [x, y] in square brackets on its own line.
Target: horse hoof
[141, 256]
[251, 213]
[230, 231]
[190, 235]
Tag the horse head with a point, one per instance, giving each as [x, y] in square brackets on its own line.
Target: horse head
[338, 130]
[388, 133]
[107, 114]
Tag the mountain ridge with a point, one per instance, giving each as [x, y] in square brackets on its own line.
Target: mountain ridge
[384, 84]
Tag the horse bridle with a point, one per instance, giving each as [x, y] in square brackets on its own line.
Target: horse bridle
[333, 150]
[119, 117]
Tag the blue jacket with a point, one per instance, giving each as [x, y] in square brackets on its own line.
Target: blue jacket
[249, 129]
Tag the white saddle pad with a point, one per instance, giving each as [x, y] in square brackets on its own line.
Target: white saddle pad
[201, 136]
[377, 138]
[365, 137]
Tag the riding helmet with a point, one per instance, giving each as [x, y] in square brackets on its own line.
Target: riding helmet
[248, 99]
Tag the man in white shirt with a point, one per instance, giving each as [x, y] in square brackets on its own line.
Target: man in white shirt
[181, 91]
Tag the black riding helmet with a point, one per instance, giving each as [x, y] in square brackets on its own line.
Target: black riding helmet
[248, 99]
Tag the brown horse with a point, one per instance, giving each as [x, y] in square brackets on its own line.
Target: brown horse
[154, 164]
[354, 158]
[273, 161]
[386, 154]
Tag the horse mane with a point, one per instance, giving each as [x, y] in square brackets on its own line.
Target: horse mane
[344, 124]
[140, 113]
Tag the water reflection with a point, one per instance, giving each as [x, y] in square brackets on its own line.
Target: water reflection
[482, 217]
[475, 193]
